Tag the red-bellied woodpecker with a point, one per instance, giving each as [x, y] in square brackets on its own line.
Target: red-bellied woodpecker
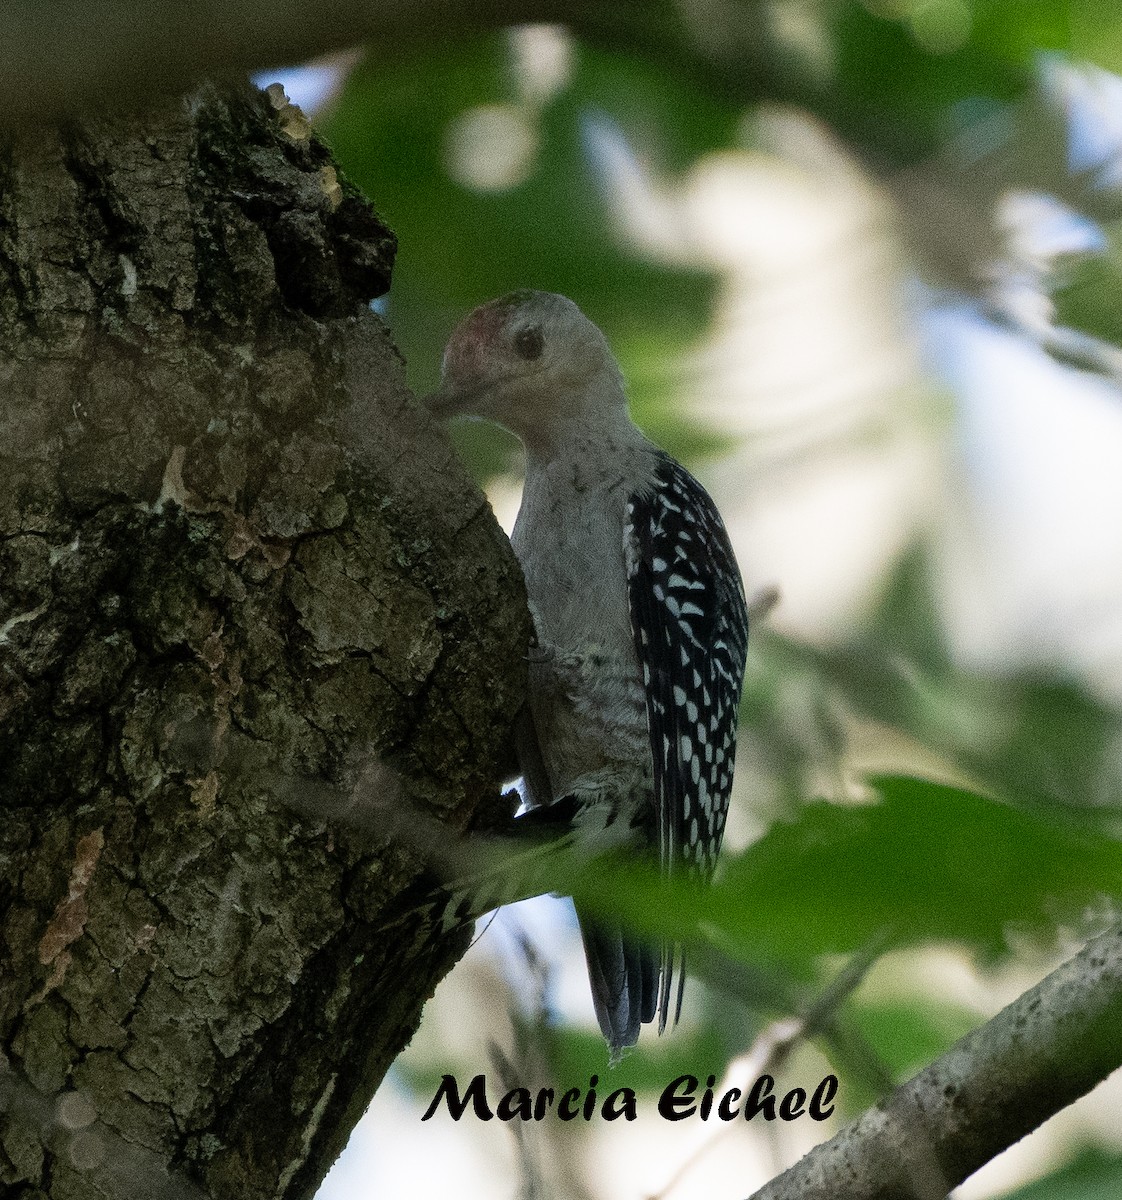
[640, 615]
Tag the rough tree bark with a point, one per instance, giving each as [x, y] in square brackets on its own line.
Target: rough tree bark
[239, 571]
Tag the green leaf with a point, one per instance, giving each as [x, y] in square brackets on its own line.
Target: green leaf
[1034, 741]
[929, 862]
[907, 1036]
[899, 79]
[1096, 32]
[910, 74]
[1094, 1175]
[1088, 297]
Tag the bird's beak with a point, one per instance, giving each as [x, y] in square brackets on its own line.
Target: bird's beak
[443, 403]
[449, 401]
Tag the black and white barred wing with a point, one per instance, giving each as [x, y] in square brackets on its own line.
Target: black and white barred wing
[690, 624]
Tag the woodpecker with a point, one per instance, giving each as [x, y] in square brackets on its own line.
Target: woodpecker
[642, 628]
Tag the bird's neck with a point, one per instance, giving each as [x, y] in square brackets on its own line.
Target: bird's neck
[597, 424]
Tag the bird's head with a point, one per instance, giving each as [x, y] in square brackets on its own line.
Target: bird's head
[530, 361]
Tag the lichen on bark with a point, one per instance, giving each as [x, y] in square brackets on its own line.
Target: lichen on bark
[237, 564]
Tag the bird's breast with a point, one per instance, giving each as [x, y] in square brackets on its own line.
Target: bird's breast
[586, 690]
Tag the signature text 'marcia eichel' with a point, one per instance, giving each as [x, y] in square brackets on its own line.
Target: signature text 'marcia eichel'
[678, 1101]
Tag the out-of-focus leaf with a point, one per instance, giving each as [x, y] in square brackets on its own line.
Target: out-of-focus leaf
[1088, 298]
[912, 68]
[653, 371]
[927, 861]
[1096, 32]
[1034, 741]
[924, 66]
[1092, 1176]
[552, 230]
[1016, 31]
[908, 1036]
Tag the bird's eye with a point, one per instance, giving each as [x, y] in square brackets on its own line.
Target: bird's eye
[529, 342]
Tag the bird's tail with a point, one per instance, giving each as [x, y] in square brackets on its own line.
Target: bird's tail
[631, 981]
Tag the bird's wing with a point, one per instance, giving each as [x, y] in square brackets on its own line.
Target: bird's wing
[690, 624]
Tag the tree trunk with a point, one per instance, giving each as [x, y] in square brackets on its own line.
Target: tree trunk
[244, 584]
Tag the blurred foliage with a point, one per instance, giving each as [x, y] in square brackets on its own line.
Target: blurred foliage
[930, 862]
[908, 74]
[909, 1035]
[892, 77]
[922, 862]
[1092, 1176]
[1032, 840]
[554, 231]
[1034, 741]
[1087, 294]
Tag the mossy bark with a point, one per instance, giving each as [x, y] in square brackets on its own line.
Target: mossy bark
[240, 571]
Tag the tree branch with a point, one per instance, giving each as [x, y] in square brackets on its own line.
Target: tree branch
[1041, 1053]
[78, 54]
